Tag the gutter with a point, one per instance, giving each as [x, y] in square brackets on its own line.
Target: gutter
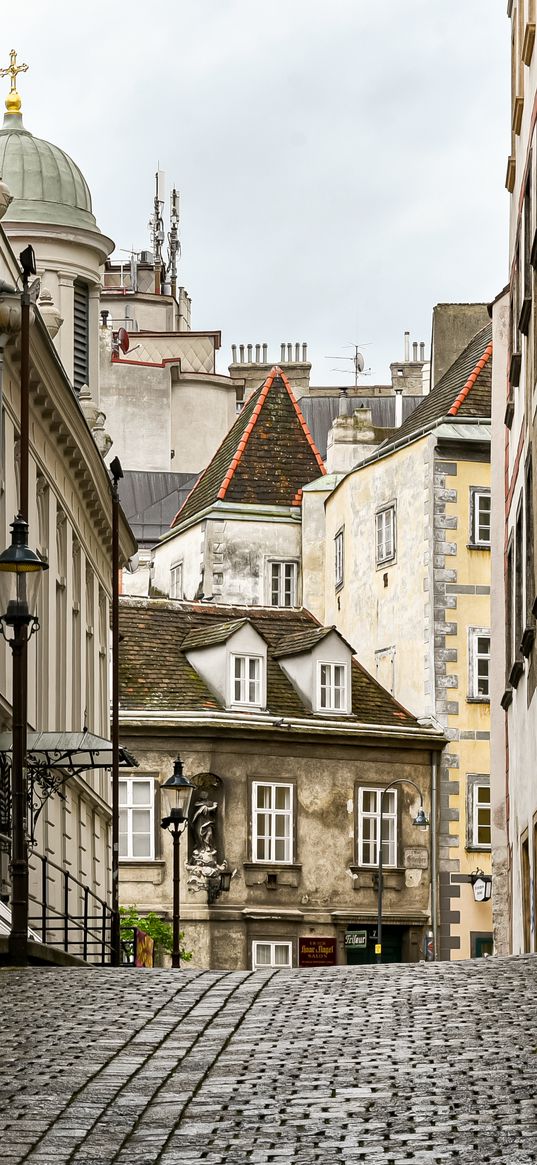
[141, 718]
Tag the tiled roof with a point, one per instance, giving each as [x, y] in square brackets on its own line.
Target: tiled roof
[210, 636]
[155, 674]
[464, 390]
[301, 641]
[266, 457]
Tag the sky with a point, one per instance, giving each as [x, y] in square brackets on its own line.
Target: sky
[341, 165]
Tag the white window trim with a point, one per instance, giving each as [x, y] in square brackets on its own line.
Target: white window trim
[289, 813]
[474, 633]
[173, 580]
[477, 492]
[339, 558]
[384, 559]
[260, 683]
[272, 943]
[330, 710]
[394, 842]
[282, 563]
[150, 779]
[476, 787]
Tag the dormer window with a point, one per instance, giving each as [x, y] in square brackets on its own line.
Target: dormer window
[246, 679]
[332, 687]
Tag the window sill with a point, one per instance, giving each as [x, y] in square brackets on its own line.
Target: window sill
[142, 862]
[478, 545]
[478, 699]
[382, 565]
[281, 874]
[479, 849]
[366, 877]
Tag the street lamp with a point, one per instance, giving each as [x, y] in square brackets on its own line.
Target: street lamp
[177, 792]
[218, 884]
[421, 821]
[21, 572]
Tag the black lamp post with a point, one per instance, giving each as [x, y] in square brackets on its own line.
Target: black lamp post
[21, 572]
[178, 792]
[421, 821]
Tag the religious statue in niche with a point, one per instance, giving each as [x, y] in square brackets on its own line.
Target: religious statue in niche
[203, 864]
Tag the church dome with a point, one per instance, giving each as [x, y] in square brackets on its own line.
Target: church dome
[46, 185]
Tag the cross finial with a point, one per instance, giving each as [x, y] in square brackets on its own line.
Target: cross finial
[13, 101]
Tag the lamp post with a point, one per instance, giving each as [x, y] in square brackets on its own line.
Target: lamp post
[421, 821]
[21, 572]
[178, 792]
[117, 474]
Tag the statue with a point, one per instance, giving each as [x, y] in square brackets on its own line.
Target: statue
[203, 864]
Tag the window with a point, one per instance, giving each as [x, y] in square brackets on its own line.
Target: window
[332, 695]
[385, 523]
[480, 832]
[480, 517]
[283, 584]
[368, 827]
[246, 679]
[338, 559]
[176, 581]
[479, 661]
[136, 818]
[270, 954]
[272, 826]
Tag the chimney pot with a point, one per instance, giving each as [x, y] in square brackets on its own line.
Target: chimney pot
[407, 347]
[249, 353]
[304, 353]
[265, 353]
[422, 351]
[233, 353]
[282, 353]
[241, 353]
[290, 353]
[257, 353]
[415, 352]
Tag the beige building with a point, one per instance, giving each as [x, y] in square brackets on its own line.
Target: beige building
[407, 579]
[513, 459]
[47, 203]
[289, 744]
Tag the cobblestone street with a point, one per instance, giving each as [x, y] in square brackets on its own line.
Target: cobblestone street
[429, 1063]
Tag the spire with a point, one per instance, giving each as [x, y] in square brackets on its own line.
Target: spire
[13, 100]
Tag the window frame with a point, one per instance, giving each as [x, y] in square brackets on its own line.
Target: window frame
[273, 812]
[332, 709]
[475, 783]
[339, 558]
[244, 680]
[382, 560]
[474, 634]
[283, 564]
[476, 493]
[175, 567]
[391, 816]
[130, 780]
[272, 943]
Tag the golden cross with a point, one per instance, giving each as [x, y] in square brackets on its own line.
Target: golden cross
[13, 68]
[13, 101]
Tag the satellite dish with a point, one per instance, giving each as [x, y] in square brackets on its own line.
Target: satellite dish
[123, 340]
[359, 362]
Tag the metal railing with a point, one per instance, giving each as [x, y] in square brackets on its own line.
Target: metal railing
[72, 916]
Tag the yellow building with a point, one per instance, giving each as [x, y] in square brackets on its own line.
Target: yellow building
[407, 580]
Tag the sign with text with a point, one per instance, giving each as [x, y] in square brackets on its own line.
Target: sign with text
[144, 947]
[315, 951]
[356, 938]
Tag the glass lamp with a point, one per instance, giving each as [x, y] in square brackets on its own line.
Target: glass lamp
[21, 572]
[177, 793]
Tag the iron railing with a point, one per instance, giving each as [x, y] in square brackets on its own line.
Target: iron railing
[72, 917]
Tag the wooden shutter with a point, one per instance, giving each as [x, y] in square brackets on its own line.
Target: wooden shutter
[81, 337]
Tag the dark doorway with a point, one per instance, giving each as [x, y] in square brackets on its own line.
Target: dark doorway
[392, 944]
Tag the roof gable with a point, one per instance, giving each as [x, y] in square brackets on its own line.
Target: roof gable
[464, 390]
[265, 459]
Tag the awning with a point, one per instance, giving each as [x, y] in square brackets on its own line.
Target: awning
[74, 752]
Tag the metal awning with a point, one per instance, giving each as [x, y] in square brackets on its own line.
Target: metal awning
[75, 752]
[51, 759]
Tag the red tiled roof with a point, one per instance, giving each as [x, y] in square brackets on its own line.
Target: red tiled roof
[265, 459]
[471, 381]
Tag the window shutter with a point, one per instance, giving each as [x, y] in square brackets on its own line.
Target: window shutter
[80, 337]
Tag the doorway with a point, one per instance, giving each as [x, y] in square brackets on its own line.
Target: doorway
[360, 944]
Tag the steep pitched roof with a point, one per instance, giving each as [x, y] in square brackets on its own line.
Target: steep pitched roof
[155, 674]
[464, 390]
[266, 457]
[304, 640]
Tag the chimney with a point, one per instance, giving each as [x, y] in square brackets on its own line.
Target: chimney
[233, 353]
[398, 407]
[407, 347]
[304, 353]
[297, 353]
[241, 353]
[265, 353]
[257, 353]
[249, 353]
[415, 352]
[290, 353]
[422, 352]
[282, 353]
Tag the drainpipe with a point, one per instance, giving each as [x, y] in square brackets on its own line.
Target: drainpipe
[434, 856]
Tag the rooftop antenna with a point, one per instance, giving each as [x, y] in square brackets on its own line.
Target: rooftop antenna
[357, 361]
[174, 246]
[156, 224]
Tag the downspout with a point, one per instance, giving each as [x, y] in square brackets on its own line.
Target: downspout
[434, 856]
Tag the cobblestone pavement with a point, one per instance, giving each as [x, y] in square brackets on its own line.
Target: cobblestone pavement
[394, 1065]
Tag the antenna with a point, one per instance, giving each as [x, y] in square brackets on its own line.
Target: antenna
[156, 224]
[357, 361]
[174, 246]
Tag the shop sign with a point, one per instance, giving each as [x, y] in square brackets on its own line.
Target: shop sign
[356, 938]
[144, 947]
[316, 951]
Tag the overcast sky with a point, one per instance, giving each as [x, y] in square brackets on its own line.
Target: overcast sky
[341, 165]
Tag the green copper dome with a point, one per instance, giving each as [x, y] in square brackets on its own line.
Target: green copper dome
[46, 185]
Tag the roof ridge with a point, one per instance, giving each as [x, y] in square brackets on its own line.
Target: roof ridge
[461, 396]
[276, 371]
